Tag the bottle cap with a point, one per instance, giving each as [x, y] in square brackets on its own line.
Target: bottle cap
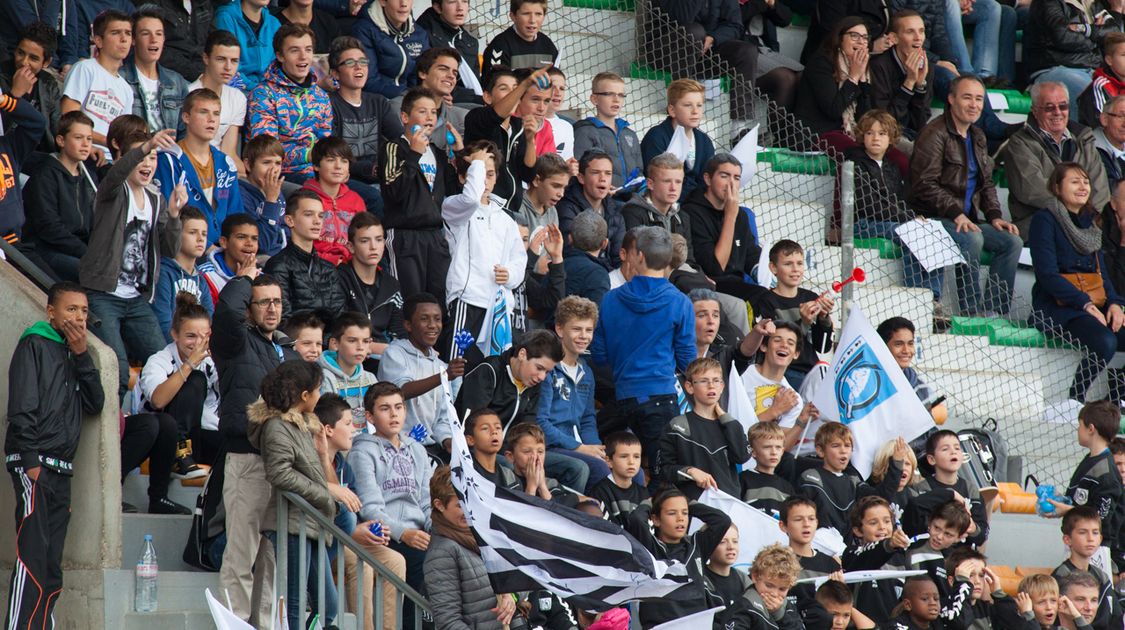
[148, 537]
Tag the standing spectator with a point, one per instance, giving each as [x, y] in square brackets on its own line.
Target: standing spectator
[393, 42]
[437, 72]
[288, 104]
[26, 76]
[1109, 138]
[523, 45]
[609, 133]
[1065, 38]
[324, 26]
[255, 29]
[188, 29]
[902, 80]
[563, 128]
[75, 44]
[95, 85]
[445, 22]
[158, 92]
[308, 281]
[221, 55]
[587, 275]
[52, 383]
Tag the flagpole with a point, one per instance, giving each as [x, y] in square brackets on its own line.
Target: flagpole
[847, 235]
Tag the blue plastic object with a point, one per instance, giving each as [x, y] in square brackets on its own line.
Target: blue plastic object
[376, 529]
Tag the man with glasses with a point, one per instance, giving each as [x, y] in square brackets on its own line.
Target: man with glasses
[1110, 140]
[1049, 137]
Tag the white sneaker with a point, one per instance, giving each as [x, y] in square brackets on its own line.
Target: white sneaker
[1063, 412]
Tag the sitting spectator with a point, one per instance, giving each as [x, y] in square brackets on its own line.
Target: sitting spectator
[26, 76]
[659, 204]
[393, 42]
[95, 85]
[1113, 218]
[951, 177]
[368, 287]
[826, 15]
[777, 74]
[262, 158]
[1108, 83]
[685, 109]
[902, 80]
[1073, 289]
[1109, 138]
[898, 334]
[532, 110]
[237, 249]
[308, 281]
[523, 45]
[324, 26]
[178, 273]
[994, 39]
[255, 29]
[1032, 153]
[221, 56]
[1066, 39]
[609, 133]
[586, 273]
[445, 22]
[158, 92]
[437, 71]
[544, 282]
[60, 200]
[563, 128]
[591, 191]
[188, 29]
[288, 104]
[545, 191]
[74, 36]
[306, 331]
[331, 158]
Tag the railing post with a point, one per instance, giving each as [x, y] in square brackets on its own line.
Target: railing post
[847, 235]
[322, 573]
[281, 574]
[303, 568]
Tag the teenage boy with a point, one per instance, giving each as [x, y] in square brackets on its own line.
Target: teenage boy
[255, 29]
[562, 128]
[797, 520]
[659, 204]
[343, 363]
[308, 282]
[762, 487]
[288, 104]
[331, 157]
[523, 44]
[368, 288]
[774, 398]
[788, 302]
[587, 275]
[262, 158]
[178, 273]
[538, 208]
[944, 454]
[60, 199]
[437, 70]
[416, 179]
[592, 191]
[211, 177]
[307, 334]
[645, 334]
[508, 383]
[605, 131]
[620, 493]
[157, 91]
[27, 76]
[445, 22]
[685, 110]
[122, 263]
[832, 486]
[1042, 593]
[94, 85]
[1082, 534]
[947, 526]
[238, 245]
[221, 56]
[413, 364]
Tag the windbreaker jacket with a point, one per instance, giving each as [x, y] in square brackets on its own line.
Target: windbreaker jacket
[566, 408]
[410, 203]
[443, 35]
[1100, 92]
[15, 145]
[621, 142]
[175, 166]
[296, 115]
[60, 208]
[392, 483]
[308, 283]
[48, 99]
[391, 52]
[273, 234]
[171, 89]
[682, 446]
[173, 281]
[257, 48]
[338, 214]
[50, 388]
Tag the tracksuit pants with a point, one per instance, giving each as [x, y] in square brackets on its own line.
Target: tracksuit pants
[42, 515]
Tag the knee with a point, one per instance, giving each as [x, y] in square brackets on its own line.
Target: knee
[166, 426]
[1104, 344]
[145, 425]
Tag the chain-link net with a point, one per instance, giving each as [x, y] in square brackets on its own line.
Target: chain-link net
[987, 364]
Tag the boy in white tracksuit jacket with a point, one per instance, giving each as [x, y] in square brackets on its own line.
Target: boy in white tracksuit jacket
[488, 254]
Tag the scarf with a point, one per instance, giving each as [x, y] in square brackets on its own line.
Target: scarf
[849, 111]
[461, 535]
[1085, 240]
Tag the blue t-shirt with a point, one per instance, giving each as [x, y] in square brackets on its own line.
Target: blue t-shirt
[971, 181]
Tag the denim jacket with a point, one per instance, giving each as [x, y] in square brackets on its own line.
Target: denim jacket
[171, 91]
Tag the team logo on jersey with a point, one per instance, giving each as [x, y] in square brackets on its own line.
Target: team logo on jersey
[1081, 496]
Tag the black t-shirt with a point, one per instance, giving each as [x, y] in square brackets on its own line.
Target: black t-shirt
[729, 587]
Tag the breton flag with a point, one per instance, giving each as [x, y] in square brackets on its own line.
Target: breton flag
[527, 543]
[865, 389]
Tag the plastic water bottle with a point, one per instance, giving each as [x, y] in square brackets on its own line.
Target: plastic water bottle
[146, 575]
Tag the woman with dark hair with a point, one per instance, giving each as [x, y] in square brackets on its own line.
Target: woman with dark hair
[1073, 292]
[826, 14]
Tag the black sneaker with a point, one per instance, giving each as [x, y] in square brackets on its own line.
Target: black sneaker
[164, 505]
[186, 468]
[128, 508]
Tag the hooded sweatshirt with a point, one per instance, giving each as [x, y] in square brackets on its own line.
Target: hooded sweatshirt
[392, 483]
[391, 52]
[215, 272]
[173, 280]
[174, 166]
[60, 208]
[338, 213]
[350, 387]
[297, 115]
[256, 47]
[645, 333]
[620, 141]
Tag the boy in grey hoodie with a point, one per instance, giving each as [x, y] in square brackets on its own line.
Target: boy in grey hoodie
[343, 364]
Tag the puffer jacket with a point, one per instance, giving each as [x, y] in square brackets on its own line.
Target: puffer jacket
[297, 115]
[939, 175]
[338, 214]
[457, 38]
[185, 33]
[392, 483]
[60, 208]
[289, 455]
[308, 282]
[458, 587]
[47, 98]
[392, 52]
[243, 356]
[1049, 34]
[574, 203]
[171, 89]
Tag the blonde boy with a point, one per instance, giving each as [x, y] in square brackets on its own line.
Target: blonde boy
[833, 486]
[761, 486]
[685, 110]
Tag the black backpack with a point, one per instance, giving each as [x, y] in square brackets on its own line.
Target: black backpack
[208, 521]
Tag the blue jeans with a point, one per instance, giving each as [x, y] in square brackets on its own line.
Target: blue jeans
[1005, 248]
[1101, 344]
[596, 468]
[913, 273]
[296, 582]
[994, 38]
[372, 198]
[1075, 80]
[128, 327]
[568, 470]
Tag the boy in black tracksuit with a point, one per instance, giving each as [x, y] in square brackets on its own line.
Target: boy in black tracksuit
[879, 544]
[508, 383]
[1096, 482]
[25, 128]
[833, 486]
[52, 383]
[797, 518]
[518, 46]
[762, 487]
[948, 524]
[943, 452]
[964, 608]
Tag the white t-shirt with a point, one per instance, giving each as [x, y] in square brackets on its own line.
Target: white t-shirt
[150, 88]
[232, 113]
[103, 96]
[162, 366]
[762, 391]
[134, 260]
[428, 164]
[564, 137]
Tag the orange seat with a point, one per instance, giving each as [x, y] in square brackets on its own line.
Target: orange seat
[1026, 571]
[1009, 578]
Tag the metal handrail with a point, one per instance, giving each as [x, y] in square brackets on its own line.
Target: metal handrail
[327, 526]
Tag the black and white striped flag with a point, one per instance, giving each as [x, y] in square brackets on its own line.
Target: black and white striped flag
[528, 543]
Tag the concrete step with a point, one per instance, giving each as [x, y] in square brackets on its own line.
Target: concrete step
[135, 491]
[982, 395]
[646, 98]
[169, 535]
[176, 592]
[1009, 537]
[881, 302]
[559, 19]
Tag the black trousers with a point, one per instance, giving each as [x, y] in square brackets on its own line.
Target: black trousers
[152, 436]
[187, 410]
[42, 515]
[462, 316]
[419, 259]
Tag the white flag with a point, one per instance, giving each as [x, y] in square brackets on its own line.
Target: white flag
[756, 529]
[469, 78]
[866, 390]
[701, 619]
[739, 405]
[679, 146]
[222, 616]
[855, 577]
[747, 152]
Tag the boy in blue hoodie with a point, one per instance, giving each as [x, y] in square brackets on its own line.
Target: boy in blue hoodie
[646, 333]
[343, 363]
[238, 245]
[25, 127]
[254, 27]
[178, 273]
[262, 157]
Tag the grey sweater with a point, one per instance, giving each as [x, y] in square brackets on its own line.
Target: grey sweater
[393, 484]
[458, 587]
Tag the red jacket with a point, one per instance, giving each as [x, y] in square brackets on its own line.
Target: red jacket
[338, 212]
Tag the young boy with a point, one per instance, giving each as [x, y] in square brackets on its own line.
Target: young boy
[392, 480]
[788, 302]
[834, 610]
[587, 274]
[60, 199]
[765, 605]
[832, 486]
[221, 56]
[605, 131]
[646, 333]
[330, 159]
[308, 282]
[965, 607]
[619, 493]
[413, 364]
[762, 487]
[877, 543]
[702, 448]
[544, 192]
[797, 518]
[210, 176]
[685, 109]
[343, 363]
[526, 449]
[563, 128]
[591, 191]
[417, 178]
[28, 75]
[238, 248]
[158, 91]
[262, 157]
[1082, 534]
[445, 22]
[523, 44]
[774, 398]
[1041, 592]
[532, 110]
[255, 28]
[659, 203]
[921, 606]
[369, 288]
[948, 524]
[1108, 83]
[178, 273]
[508, 383]
[94, 85]
[485, 436]
[943, 453]
[307, 332]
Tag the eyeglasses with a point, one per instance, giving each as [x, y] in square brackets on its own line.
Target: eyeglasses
[1114, 116]
[267, 303]
[858, 36]
[1055, 107]
[620, 95]
[351, 63]
[715, 382]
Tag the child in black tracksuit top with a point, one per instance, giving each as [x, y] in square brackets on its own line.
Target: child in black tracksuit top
[762, 487]
[832, 487]
[25, 126]
[661, 525]
[888, 480]
[880, 545]
[943, 452]
[797, 519]
[948, 524]
[920, 606]
[964, 609]
[1096, 482]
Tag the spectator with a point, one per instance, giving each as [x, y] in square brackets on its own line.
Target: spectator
[1108, 81]
[306, 331]
[523, 45]
[95, 85]
[659, 204]
[14, 17]
[437, 71]
[237, 246]
[587, 275]
[592, 191]
[262, 158]
[221, 55]
[178, 273]
[1078, 604]
[369, 288]
[75, 43]
[210, 176]
[445, 22]
[898, 334]
[331, 158]
[1066, 38]
[951, 177]
[158, 92]
[563, 128]
[1109, 138]
[1113, 217]
[25, 76]
[726, 348]
[827, 14]
[288, 104]
[53, 382]
[323, 24]
[685, 109]
[361, 119]
[532, 109]
[343, 364]
[1096, 482]
[609, 133]
[1048, 139]
[777, 74]
[902, 79]
[538, 208]
[994, 39]
[308, 282]
[60, 200]
[255, 29]
[393, 42]
[188, 29]
[121, 266]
